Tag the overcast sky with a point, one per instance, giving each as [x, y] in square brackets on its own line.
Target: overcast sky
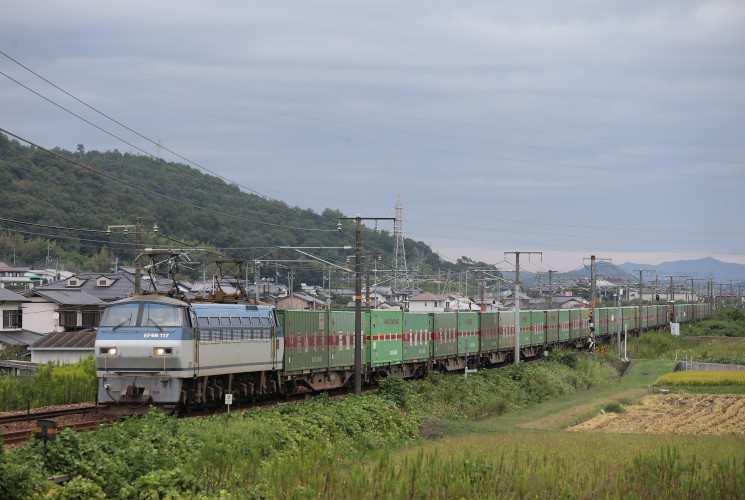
[613, 128]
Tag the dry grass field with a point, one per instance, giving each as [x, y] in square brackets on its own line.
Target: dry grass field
[698, 414]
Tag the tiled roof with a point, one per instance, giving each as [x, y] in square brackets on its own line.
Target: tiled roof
[10, 296]
[65, 341]
[123, 285]
[68, 297]
[6, 268]
[20, 337]
[305, 297]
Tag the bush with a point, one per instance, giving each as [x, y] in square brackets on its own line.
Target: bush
[724, 323]
[50, 385]
[614, 408]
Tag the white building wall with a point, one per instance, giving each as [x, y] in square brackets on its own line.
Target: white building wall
[39, 317]
[60, 357]
[10, 306]
[427, 305]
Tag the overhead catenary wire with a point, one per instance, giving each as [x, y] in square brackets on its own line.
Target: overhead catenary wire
[54, 236]
[48, 226]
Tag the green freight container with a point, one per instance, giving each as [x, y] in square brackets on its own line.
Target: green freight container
[584, 323]
[385, 337]
[575, 323]
[552, 325]
[417, 340]
[445, 331]
[647, 317]
[489, 331]
[341, 339]
[614, 320]
[305, 340]
[538, 327]
[564, 325]
[629, 314]
[506, 330]
[526, 328]
[661, 312]
[601, 320]
[469, 329]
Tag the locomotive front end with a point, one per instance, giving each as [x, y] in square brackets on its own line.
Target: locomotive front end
[144, 348]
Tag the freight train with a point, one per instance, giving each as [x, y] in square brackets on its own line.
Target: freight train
[153, 350]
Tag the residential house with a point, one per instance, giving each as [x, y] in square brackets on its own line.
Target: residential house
[75, 303]
[430, 302]
[569, 302]
[301, 301]
[12, 332]
[14, 276]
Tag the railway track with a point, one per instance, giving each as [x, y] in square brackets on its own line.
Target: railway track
[20, 437]
[17, 428]
[46, 414]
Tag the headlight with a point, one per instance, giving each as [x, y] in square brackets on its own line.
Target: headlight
[163, 351]
[109, 351]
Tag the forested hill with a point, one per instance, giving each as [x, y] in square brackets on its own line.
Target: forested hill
[41, 188]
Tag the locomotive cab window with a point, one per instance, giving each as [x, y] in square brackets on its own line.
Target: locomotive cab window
[144, 314]
[120, 315]
[160, 315]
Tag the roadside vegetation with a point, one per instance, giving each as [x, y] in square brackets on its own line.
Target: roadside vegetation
[495, 434]
[663, 345]
[50, 385]
[724, 323]
[269, 453]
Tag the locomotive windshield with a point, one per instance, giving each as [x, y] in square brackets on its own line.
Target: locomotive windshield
[144, 314]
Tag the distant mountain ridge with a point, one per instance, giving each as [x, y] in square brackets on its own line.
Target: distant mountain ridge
[698, 268]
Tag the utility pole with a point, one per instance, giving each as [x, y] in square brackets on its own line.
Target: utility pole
[358, 294]
[257, 278]
[618, 322]
[517, 301]
[550, 288]
[594, 277]
[593, 280]
[641, 295]
[138, 248]
[671, 295]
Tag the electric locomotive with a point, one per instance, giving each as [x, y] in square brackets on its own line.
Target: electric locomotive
[160, 351]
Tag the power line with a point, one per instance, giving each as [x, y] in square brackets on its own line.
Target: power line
[442, 121]
[54, 236]
[155, 193]
[503, 243]
[47, 226]
[234, 105]
[157, 144]
[34, 152]
[382, 143]
[348, 139]
[553, 225]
